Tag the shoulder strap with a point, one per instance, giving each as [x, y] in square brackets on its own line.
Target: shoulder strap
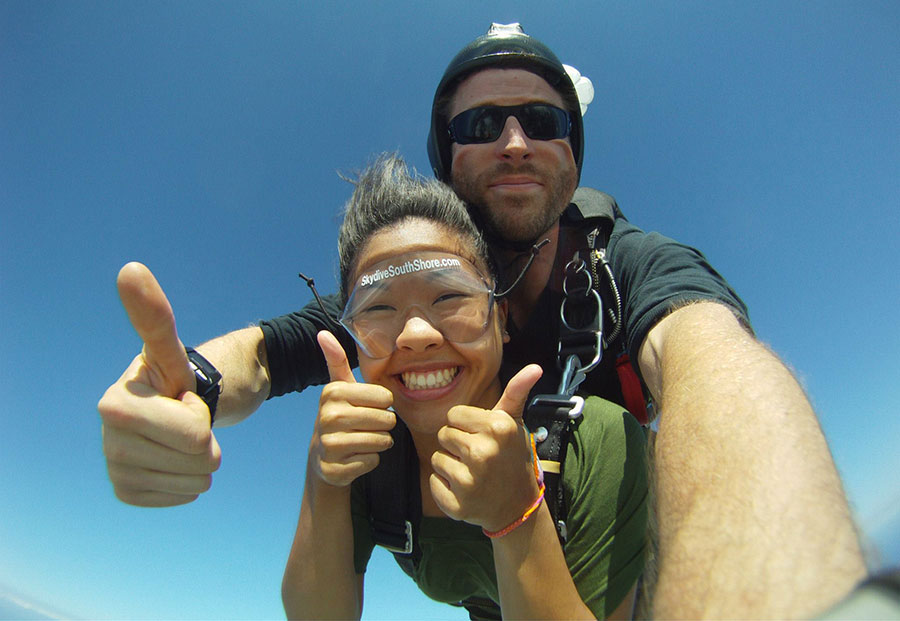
[551, 417]
[395, 500]
[595, 209]
[596, 212]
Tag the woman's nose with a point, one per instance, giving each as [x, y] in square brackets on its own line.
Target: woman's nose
[418, 334]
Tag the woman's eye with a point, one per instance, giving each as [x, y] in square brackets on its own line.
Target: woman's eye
[446, 297]
[376, 308]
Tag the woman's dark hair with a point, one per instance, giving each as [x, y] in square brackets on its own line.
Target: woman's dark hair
[386, 194]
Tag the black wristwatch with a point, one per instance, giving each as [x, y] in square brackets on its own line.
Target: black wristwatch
[208, 380]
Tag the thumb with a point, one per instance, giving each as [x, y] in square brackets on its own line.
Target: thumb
[514, 397]
[151, 315]
[335, 357]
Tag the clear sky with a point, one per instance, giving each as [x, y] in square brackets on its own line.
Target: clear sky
[204, 138]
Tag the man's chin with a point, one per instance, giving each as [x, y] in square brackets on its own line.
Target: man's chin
[514, 231]
[514, 219]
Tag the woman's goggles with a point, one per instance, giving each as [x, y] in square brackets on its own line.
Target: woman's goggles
[485, 123]
[444, 289]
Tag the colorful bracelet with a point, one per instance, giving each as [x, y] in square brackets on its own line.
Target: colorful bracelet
[521, 520]
[539, 475]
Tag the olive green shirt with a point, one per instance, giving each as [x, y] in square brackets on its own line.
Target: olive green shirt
[605, 489]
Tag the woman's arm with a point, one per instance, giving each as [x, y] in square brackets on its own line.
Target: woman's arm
[605, 484]
[319, 580]
[532, 575]
[484, 475]
[353, 425]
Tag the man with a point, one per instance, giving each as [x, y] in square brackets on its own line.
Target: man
[752, 518]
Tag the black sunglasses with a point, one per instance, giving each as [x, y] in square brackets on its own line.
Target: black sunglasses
[485, 123]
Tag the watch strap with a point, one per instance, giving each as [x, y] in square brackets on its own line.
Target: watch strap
[208, 380]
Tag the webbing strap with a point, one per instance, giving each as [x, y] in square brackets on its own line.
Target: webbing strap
[595, 213]
[590, 203]
[550, 467]
[550, 418]
[395, 500]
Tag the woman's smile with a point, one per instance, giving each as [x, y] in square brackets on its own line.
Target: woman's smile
[423, 380]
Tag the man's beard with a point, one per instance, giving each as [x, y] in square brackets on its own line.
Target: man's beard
[517, 219]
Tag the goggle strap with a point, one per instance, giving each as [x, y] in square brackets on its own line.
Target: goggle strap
[535, 249]
[312, 285]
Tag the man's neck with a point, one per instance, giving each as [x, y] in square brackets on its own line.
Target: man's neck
[523, 298]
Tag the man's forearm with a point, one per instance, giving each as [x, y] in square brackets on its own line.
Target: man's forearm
[753, 522]
[240, 357]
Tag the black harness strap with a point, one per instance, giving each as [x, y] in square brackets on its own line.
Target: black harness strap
[395, 500]
[595, 212]
[553, 417]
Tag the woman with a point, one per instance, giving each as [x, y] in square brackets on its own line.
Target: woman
[420, 304]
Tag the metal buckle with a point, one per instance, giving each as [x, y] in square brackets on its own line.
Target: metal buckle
[577, 266]
[579, 339]
[407, 547]
[552, 404]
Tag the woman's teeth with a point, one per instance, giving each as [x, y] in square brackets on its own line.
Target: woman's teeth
[431, 379]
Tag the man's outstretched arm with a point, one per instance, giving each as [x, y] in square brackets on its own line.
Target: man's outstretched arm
[240, 357]
[753, 521]
[159, 447]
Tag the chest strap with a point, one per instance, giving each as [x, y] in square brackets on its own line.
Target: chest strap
[552, 418]
[394, 499]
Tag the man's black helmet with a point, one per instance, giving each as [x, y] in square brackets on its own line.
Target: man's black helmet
[504, 46]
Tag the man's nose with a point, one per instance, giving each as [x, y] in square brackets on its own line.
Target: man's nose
[513, 142]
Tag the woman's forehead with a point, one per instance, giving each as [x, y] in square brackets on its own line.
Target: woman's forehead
[423, 268]
[410, 236]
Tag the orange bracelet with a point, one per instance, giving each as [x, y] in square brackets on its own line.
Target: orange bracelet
[539, 475]
[521, 520]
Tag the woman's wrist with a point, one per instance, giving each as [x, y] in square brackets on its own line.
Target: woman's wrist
[533, 506]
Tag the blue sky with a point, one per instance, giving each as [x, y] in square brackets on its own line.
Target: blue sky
[203, 139]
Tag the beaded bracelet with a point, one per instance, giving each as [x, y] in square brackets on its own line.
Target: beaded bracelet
[539, 475]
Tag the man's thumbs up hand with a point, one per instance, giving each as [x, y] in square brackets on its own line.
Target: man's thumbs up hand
[152, 318]
[160, 450]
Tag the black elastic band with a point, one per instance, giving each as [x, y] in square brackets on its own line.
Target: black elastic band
[312, 285]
